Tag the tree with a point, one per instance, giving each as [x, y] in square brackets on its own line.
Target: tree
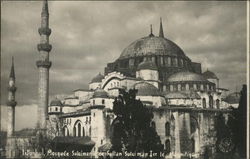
[238, 123]
[133, 130]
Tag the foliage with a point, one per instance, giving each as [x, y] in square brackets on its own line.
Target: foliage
[238, 123]
[132, 128]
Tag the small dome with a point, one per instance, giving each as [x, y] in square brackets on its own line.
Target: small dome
[209, 75]
[97, 79]
[186, 76]
[233, 98]
[100, 93]
[146, 89]
[152, 45]
[147, 65]
[56, 102]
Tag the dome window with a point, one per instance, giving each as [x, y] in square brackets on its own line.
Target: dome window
[211, 101]
[103, 101]
[204, 102]
[218, 103]
[56, 109]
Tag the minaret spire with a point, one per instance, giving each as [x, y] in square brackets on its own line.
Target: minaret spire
[151, 30]
[12, 71]
[43, 65]
[161, 33]
[11, 102]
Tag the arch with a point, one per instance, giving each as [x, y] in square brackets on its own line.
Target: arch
[167, 129]
[211, 103]
[74, 131]
[83, 131]
[65, 131]
[153, 124]
[167, 146]
[194, 125]
[218, 103]
[79, 129]
[204, 103]
[90, 131]
[192, 145]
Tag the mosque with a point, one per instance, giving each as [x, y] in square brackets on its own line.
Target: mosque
[185, 99]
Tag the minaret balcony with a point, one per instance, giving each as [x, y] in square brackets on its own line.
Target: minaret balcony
[44, 31]
[12, 89]
[44, 47]
[11, 103]
[45, 64]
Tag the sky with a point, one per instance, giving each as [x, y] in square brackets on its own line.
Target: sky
[88, 35]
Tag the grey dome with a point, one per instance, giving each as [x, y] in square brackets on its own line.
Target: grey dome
[98, 78]
[146, 89]
[186, 76]
[56, 102]
[152, 45]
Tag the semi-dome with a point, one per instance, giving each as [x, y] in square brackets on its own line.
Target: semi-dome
[98, 78]
[209, 75]
[100, 93]
[147, 65]
[152, 45]
[186, 76]
[56, 102]
[146, 89]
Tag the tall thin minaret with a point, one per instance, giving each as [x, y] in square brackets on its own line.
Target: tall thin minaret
[161, 33]
[11, 103]
[43, 65]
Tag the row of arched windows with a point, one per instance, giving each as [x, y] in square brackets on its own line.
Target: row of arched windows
[188, 86]
[210, 102]
[78, 130]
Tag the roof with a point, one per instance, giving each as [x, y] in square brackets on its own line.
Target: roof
[56, 102]
[147, 65]
[100, 93]
[186, 76]
[97, 79]
[183, 95]
[233, 98]
[146, 89]
[209, 75]
[152, 45]
[73, 140]
[83, 90]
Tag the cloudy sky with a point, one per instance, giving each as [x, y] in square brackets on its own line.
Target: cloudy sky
[87, 35]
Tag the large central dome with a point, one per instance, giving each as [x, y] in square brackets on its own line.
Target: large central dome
[152, 45]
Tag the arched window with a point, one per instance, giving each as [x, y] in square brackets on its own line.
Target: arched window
[83, 131]
[204, 102]
[167, 129]
[218, 103]
[103, 101]
[93, 102]
[56, 109]
[153, 124]
[211, 103]
[192, 145]
[79, 129]
[90, 131]
[167, 146]
[74, 131]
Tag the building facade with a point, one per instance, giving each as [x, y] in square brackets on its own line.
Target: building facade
[185, 100]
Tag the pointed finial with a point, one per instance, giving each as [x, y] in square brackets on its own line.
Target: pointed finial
[12, 71]
[151, 30]
[161, 33]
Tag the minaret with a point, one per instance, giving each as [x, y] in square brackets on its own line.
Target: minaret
[151, 31]
[11, 103]
[43, 65]
[161, 33]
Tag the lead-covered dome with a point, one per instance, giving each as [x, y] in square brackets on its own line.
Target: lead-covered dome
[152, 45]
[146, 89]
[97, 79]
[56, 102]
[186, 76]
[100, 93]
